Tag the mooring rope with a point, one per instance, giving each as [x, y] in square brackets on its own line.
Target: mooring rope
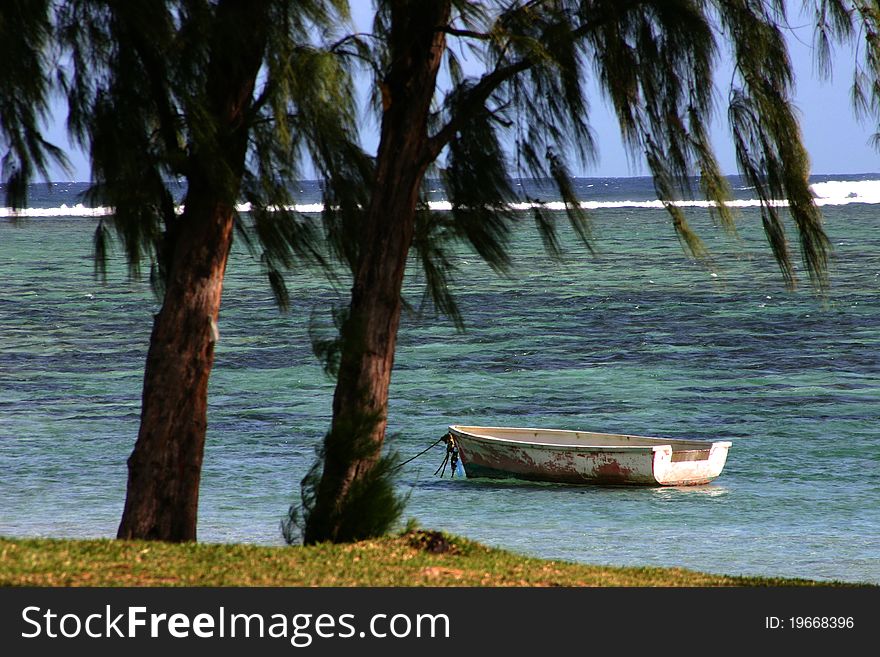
[451, 452]
[432, 446]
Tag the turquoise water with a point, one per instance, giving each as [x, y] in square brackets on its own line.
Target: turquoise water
[639, 340]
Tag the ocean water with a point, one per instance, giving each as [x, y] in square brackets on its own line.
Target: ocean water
[638, 339]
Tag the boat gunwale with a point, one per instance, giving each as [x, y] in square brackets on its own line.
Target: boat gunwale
[657, 443]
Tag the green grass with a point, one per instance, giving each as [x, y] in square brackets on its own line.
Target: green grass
[414, 558]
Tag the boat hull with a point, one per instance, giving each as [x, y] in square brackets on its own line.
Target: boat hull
[568, 457]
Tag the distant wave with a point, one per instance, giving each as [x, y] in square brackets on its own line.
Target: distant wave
[78, 210]
[827, 193]
[844, 192]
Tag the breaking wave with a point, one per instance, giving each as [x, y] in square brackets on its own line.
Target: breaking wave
[827, 193]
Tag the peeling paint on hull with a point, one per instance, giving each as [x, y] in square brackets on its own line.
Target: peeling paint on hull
[574, 457]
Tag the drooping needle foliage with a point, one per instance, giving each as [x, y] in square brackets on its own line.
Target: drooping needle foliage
[516, 106]
[25, 48]
[188, 107]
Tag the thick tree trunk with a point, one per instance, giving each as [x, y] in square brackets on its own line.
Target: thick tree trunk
[165, 467]
[369, 335]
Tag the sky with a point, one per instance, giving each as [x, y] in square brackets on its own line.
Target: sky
[836, 140]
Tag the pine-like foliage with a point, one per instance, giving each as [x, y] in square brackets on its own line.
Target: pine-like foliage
[854, 22]
[857, 23]
[372, 506]
[25, 45]
[655, 63]
[516, 108]
[138, 102]
[208, 102]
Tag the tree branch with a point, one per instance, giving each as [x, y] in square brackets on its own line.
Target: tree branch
[467, 34]
[354, 36]
[477, 95]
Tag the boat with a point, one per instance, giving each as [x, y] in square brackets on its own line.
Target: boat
[582, 457]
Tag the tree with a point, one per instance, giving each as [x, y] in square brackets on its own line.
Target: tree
[225, 96]
[855, 22]
[25, 38]
[652, 60]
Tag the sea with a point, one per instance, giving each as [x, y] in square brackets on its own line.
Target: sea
[635, 338]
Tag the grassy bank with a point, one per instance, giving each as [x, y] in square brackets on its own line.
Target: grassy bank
[416, 558]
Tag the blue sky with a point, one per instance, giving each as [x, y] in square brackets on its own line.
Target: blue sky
[836, 140]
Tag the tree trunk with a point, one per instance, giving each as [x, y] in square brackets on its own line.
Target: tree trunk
[164, 469]
[369, 335]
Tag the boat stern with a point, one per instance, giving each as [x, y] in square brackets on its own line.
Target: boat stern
[689, 467]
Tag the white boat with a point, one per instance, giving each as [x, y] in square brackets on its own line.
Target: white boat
[581, 457]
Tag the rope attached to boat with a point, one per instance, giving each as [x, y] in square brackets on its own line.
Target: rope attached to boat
[451, 455]
[431, 446]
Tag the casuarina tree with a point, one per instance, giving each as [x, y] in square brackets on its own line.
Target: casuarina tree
[653, 61]
[25, 46]
[219, 99]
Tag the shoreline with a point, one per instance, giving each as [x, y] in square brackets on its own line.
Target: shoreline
[409, 559]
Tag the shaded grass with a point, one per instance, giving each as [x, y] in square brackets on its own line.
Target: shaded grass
[414, 558]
